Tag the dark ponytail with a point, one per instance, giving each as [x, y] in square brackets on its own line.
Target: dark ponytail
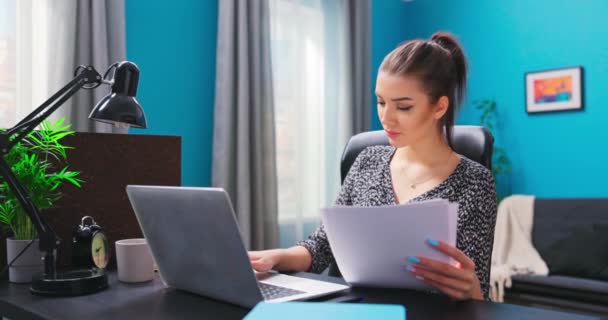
[441, 66]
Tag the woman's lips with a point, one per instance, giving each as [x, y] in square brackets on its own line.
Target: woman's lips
[392, 134]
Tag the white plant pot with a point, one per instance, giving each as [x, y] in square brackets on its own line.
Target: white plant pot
[28, 264]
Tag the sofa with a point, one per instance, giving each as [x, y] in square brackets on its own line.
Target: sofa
[571, 235]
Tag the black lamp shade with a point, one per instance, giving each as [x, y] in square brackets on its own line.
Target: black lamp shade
[120, 106]
[119, 109]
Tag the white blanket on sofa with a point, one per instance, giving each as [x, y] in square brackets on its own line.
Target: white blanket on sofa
[513, 252]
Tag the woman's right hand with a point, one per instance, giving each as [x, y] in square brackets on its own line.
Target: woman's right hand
[263, 261]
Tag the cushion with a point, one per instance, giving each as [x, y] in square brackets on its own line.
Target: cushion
[555, 218]
[583, 252]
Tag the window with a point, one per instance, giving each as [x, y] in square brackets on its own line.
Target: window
[8, 69]
[308, 56]
[36, 55]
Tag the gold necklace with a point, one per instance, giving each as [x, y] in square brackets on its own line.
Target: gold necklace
[414, 184]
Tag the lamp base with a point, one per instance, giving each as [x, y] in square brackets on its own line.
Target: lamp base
[71, 283]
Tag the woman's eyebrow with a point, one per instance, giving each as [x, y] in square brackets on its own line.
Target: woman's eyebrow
[396, 99]
[402, 98]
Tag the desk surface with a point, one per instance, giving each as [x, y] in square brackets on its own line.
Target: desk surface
[152, 300]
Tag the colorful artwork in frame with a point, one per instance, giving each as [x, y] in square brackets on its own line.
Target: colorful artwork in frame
[554, 90]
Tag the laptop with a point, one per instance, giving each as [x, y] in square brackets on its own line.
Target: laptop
[195, 240]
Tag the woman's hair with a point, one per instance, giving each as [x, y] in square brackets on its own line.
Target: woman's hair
[440, 65]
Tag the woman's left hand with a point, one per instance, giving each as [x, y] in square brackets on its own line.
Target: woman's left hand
[459, 282]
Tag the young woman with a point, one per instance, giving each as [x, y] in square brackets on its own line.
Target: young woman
[420, 86]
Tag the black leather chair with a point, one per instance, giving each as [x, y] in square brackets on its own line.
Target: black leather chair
[473, 142]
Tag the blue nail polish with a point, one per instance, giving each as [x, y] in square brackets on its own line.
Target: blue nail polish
[413, 259]
[432, 242]
[410, 268]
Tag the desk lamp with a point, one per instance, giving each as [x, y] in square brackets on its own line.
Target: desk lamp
[120, 108]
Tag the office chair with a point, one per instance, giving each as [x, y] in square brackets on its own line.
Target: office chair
[473, 142]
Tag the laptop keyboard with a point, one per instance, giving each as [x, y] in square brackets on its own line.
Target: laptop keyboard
[270, 292]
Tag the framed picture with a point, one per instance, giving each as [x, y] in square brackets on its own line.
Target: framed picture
[554, 90]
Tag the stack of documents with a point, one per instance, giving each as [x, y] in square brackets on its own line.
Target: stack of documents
[371, 244]
[325, 310]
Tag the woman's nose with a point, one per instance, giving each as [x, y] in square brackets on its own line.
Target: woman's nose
[387, 115]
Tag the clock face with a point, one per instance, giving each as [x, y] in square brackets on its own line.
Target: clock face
[100, 250]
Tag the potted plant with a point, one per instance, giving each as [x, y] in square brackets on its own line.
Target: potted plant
[501, 165]
[38, 162]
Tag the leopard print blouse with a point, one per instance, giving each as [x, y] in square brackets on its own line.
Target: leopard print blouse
[471, 185]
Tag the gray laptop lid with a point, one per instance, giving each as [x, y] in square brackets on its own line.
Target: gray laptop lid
[194, 237]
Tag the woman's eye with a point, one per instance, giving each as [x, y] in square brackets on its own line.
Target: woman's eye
[404, 108]
[381, 104]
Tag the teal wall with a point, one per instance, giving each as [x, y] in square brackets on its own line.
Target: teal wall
[389, 29]
[173, 43]
[553, 154]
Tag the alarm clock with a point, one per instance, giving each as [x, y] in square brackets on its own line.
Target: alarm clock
[90, 246]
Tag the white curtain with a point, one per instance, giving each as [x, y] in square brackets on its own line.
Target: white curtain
[7, 62]
[312, 98]
[44, 51]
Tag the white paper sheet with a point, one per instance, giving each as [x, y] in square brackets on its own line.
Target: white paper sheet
[371, 244]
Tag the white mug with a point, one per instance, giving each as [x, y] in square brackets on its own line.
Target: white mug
[134, 260]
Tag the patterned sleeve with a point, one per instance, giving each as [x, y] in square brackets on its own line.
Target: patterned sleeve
[478, 230]
[317, 243]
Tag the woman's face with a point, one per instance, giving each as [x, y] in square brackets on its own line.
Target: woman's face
[404, 110]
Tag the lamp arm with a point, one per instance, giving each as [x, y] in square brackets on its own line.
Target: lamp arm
[88, 76]
[49, 241]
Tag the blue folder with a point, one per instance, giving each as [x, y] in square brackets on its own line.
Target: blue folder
[325, 310]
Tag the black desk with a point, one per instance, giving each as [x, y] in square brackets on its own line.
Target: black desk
[153, 301]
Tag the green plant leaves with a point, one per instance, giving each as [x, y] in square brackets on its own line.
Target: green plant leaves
[38, 163]
[7, 212]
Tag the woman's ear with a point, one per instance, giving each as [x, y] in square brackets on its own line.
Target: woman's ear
[441, 107]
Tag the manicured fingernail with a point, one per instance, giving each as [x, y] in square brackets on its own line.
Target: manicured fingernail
[420, 278]
[432, 242]
[410, 268]
[413, 259]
